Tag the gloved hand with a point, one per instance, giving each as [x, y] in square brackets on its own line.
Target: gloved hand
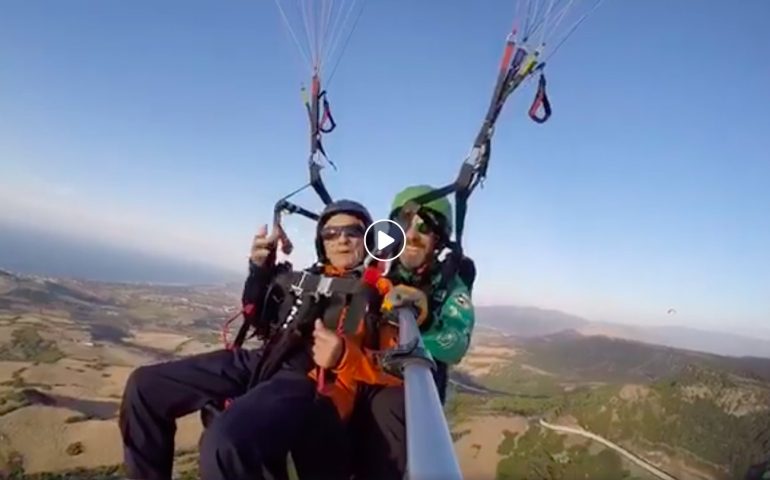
[404, 295]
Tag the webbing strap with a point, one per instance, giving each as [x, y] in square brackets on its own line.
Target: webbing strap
[461, 208]
[498, 96]
[313, 112]
[317, 128]
[317, 183]
[243, 331]
[474, 170]
[541, 100]
[355, 311]
[462, 187]
[284, 205]
[303, 284]
[326, 117]
[321, 121]
[313, 283]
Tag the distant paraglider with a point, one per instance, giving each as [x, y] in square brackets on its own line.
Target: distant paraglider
[671, 311]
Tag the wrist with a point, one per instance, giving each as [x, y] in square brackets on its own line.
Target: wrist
[257, 270]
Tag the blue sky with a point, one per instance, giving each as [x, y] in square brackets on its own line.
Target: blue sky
[174, 126]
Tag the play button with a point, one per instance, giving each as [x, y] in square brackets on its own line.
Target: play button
[385, 240]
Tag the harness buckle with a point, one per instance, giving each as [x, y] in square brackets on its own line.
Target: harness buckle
[297, 288]
[324, 287]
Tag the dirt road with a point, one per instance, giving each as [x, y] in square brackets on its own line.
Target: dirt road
[639, 461]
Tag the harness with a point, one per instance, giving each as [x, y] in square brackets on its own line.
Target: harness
[294, 299]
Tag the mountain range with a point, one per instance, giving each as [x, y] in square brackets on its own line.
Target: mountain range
[534, 322]
[37, 251]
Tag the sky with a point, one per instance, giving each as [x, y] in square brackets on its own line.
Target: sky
[174, 126]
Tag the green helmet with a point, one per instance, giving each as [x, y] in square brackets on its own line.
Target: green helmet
[440, 207]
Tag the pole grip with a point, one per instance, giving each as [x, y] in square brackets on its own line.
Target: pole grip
[430, 450]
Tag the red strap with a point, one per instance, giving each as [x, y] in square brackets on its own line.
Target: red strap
[507, 54]
[226, 328]
[541, 100]
[246, 311]
[321, 380]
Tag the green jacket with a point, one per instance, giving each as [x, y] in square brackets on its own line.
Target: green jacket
[448, 333]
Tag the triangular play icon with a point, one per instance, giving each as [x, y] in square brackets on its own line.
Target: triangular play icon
[383, 240]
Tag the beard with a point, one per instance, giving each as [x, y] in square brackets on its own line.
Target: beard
[414, 259]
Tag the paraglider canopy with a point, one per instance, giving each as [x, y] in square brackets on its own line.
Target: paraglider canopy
[544, 25]
[320, 30]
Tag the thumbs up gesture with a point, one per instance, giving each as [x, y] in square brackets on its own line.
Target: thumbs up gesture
[263, 246]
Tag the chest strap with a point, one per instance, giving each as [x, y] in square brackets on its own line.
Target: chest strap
[337, 294]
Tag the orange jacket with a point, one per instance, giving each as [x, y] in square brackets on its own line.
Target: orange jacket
[358, 365]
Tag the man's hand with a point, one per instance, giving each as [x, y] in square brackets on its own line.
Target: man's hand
[404, 295]
[263, 246]
[327, 346]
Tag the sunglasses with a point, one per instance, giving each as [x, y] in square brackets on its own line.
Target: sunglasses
[422, 226]
[424, 223]
[350, 231]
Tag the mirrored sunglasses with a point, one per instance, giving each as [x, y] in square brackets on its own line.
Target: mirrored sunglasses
[351, 231]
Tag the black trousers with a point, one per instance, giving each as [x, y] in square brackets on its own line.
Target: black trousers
[260, 425]
[378, 430]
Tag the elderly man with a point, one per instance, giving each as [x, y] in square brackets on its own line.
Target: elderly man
[264, 418]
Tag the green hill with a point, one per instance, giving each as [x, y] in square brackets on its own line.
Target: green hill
[598, 358]
[708, 411]
[714, 417]
[542, 454]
